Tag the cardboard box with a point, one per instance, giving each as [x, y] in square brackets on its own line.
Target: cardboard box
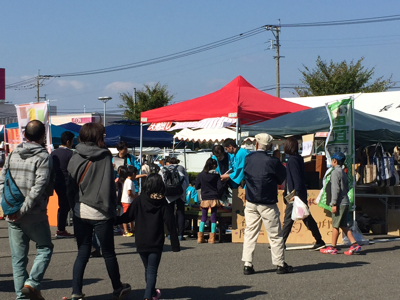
[299, 235]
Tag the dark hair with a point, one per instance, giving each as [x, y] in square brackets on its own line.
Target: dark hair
[34, 130]
[291, 146]
[218, 150]
[229, 142]
[276, 151]
[123, 174]
[94, 133]
[193, 183]
[132, 170]
[211, 163]
[154, 184]
[67, 136]
[121, 145]
[173, 161]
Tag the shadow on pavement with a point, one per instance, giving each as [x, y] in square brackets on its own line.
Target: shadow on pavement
[200, 293]
[328, 266]
[369, 250]
[49, 284]
[7, 285]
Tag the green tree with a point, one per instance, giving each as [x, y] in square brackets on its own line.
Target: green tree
[340, 78]
[149, 97]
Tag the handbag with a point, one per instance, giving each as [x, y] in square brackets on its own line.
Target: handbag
[300, 210]
[13, 199]
[369, 172]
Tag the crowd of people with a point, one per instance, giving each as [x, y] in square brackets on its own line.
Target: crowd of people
[103, 193]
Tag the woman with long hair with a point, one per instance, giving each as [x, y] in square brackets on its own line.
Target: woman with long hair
[151, 211]
[93, 198]
[296, 181]
[209, 181]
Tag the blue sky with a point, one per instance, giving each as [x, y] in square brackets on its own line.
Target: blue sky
[71, 36]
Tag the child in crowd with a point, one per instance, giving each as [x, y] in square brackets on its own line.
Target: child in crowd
[150, 211]
[128, 194]
[209, 181]
[119, 187]
[340, 206]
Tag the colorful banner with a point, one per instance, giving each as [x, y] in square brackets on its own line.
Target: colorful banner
[33, 111]
[340, 138]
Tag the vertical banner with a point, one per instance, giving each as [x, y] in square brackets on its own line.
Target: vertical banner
[34, 111]
[340, 138]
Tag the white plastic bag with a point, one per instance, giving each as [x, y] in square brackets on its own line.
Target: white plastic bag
[300, 209]
[358, 236]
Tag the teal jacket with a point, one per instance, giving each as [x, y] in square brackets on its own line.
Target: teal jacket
[238, 167]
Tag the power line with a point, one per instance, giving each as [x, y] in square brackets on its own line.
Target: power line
[30, 83]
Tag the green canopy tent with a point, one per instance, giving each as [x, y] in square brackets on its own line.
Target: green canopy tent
[369, 129]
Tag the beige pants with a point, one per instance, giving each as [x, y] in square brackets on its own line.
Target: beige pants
[255, 214]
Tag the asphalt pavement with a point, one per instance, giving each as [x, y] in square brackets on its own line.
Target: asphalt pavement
[215, 271]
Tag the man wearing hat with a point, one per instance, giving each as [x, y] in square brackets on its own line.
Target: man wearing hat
[263, 173]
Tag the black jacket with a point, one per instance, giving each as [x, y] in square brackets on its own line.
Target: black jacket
[149, 216]
[263, 173]
[210, 185]
[296, 176]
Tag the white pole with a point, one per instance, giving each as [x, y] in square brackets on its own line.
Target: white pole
[104, 119]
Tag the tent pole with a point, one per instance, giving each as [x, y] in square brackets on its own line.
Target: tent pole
[140, 157]
[354, 162]
[237, 132]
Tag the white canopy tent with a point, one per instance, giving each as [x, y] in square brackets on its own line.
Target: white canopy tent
[205, 135]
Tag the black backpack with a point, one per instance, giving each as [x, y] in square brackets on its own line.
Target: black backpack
[173, 182]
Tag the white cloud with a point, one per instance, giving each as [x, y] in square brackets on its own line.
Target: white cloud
[75, 84]
[120, 87]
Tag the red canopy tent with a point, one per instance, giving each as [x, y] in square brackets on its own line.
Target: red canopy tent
[238, 99]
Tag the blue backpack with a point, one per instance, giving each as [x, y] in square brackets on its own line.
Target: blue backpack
[12, 196]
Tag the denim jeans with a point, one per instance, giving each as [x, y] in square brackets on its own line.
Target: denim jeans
[151, 261]
[63, 206]
[104, 230]
[19, 237]
[180, 214]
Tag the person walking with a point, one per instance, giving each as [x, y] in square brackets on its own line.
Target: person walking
[151, 211]
[92, 189]
[296, 181]
[209, 181]
[340, 206]
[263, 173]
[176, 182]
[61, 157]
[30, 165]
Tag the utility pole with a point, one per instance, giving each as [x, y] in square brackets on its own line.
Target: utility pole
[39, 84]
[134, 102]
[275, 31]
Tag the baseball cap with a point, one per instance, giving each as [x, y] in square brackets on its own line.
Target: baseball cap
[338, 156]
[264, 139]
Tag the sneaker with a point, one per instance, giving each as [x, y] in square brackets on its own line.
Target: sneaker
[128, 234]
[284, 269]
[248, 270]
[353, 248]
[318, 245]
[121, 292]
[329, 250]
[158, 295]
[31, 293]
[181, 238]
[63, 234]
[78, 297]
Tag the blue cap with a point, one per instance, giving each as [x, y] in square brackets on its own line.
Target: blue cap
[338, 156]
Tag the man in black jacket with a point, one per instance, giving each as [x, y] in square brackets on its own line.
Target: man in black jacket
[263, 173]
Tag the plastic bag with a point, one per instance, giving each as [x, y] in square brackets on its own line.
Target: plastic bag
[300, 209]
[360, 239]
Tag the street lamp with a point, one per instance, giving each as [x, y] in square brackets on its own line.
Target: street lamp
[104, 100]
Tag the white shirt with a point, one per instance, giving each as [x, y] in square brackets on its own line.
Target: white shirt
[128, 186]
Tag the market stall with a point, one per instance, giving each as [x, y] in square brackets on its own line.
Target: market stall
[368, 129]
